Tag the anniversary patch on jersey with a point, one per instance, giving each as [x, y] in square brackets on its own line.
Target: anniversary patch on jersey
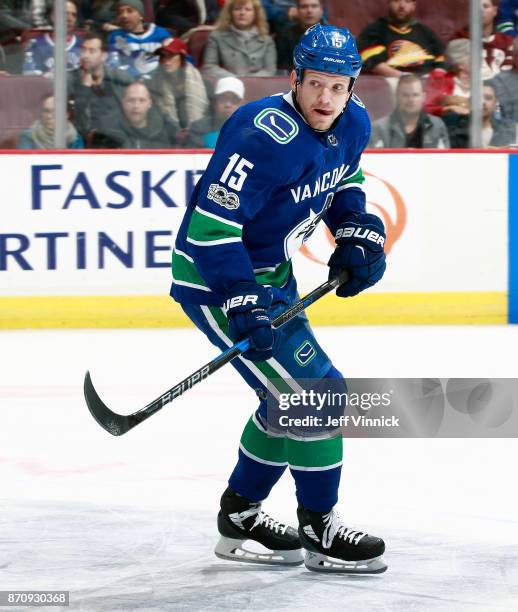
[221, 196]
[277, 124]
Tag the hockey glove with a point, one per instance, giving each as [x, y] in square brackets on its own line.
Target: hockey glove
[359, 250]
[247, 312]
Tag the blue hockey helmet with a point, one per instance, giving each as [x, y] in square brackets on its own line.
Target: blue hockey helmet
[327, 48]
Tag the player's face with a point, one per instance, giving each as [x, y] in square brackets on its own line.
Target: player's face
[243, 15]
[310, 12]
[129, 18]
[489, 102]
[136, 104]
[410, 98]
[225, 104]
[401, 11]
[91, 54]
[321, 97]
[488, 12]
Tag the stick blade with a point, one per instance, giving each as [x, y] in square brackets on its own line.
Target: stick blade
[116, 424]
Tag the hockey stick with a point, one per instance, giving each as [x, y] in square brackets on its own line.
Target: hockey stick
[119, 424]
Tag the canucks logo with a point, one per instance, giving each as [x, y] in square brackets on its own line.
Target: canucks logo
[332, 140]
[305, 353]
[278, 125]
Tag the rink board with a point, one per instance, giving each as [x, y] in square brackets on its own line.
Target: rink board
[86, 238]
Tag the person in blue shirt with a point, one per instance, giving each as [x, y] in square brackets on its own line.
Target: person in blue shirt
[507, 18]
[136, 41]
[281, 165]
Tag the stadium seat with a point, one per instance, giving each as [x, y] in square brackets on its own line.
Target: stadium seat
[19, 105]
[196, 40]
[375, 92]
[260, 87]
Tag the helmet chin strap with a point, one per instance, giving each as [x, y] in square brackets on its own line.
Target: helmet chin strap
[299, 109]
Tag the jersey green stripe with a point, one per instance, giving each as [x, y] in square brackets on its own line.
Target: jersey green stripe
[184, 270]
[262, 445]
[277, 277]
[357, 177]
[314, 453]
[203, 228]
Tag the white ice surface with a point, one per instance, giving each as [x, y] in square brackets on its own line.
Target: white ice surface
[129, 523]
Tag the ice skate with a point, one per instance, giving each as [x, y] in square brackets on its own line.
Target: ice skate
[333, 547]
[240, 520]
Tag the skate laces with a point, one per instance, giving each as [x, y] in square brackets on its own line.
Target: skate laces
[269, 523]
[335, 527]
[261, 518]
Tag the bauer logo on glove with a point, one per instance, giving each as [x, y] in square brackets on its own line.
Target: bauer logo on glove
[359, 250]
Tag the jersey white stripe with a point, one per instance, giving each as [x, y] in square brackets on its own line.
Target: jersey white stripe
[191, 285]
[217, 218]
[208, 243]
[303, 468]
[348, 186]
[266, 462]
[182, 254]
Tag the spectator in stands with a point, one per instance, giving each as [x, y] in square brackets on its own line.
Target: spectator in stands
[212, 9]
[41, 133]
[178, 16]
[228, 96]
[398, 43]
[240, 44]
[39, 55]
[97, 89]
[495, 132]
[140, 126]
[408, 126]
[497, 47]
[99, 14]
[309, 12]
[136, 41]
[14, 19]
[280, 12]
[177, 86]
[507, 18]
[448, 93]
[506, 85]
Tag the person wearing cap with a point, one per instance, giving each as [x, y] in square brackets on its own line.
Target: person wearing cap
[228, 97]
[177, 86]
[240, 44]
[135, 41]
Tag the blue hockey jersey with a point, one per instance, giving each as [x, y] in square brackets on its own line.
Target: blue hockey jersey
[41, 54]
[136, 50]
[271, 179]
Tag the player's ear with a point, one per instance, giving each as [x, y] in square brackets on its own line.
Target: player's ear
[293, 80]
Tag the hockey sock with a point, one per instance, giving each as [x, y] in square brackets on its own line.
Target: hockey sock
[262, 461]
[316, 467]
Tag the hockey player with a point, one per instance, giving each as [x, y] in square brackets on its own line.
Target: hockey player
[280, 166]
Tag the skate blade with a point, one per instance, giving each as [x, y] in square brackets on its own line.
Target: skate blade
[232, 549]
[322, 563]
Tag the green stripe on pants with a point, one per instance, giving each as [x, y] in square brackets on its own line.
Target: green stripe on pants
[261, 446]
[315, 454]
